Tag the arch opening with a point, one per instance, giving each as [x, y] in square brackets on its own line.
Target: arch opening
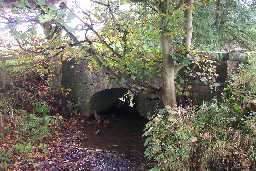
[113, 103]
[123, 127]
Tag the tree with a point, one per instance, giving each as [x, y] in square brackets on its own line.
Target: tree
[169, 93]
[166, 10]
[223, 25]
[112, 36]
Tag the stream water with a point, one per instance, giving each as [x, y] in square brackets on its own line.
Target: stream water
[119, 144]
[75, 146]
[120, 134]
[119, 147]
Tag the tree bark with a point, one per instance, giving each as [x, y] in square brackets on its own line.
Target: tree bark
[218, 14]
[168, 70]
[188, 14]
[169, 92]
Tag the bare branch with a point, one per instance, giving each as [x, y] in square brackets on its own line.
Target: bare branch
[101, 39]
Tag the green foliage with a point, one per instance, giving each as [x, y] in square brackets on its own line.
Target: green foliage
[214, 137]
[23, 148]
[34, 128]
[5, 105]
[23, 133]
[224, 24]
[138, 44]
[155, 169]
[201, 70]
[213, 118]
[240, 93]
[243, 82]
[225, 135]
[168, 139]
[42, 108]
[5, 156]
[1, 135]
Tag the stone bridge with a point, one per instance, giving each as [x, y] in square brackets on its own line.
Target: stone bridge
[85, 82]
[78, 76]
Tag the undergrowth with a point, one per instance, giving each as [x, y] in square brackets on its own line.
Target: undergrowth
[22, 134]
[212, 138]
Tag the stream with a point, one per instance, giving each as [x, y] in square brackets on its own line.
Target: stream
[118, 147]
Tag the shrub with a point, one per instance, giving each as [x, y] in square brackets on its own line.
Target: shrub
[23, 148]
[168, 138]
[225, 137]
[34, 128]
[242, 87]
[211, 138]
[5, 156]
[244, 81]
[42, 108]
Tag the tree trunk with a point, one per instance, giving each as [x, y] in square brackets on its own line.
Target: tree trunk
[188, 14]
[3, 76]
[1, 123]
[168, 71]
[169, 92]
[218, 15]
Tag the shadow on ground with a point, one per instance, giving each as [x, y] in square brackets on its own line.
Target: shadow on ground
[118, 147]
